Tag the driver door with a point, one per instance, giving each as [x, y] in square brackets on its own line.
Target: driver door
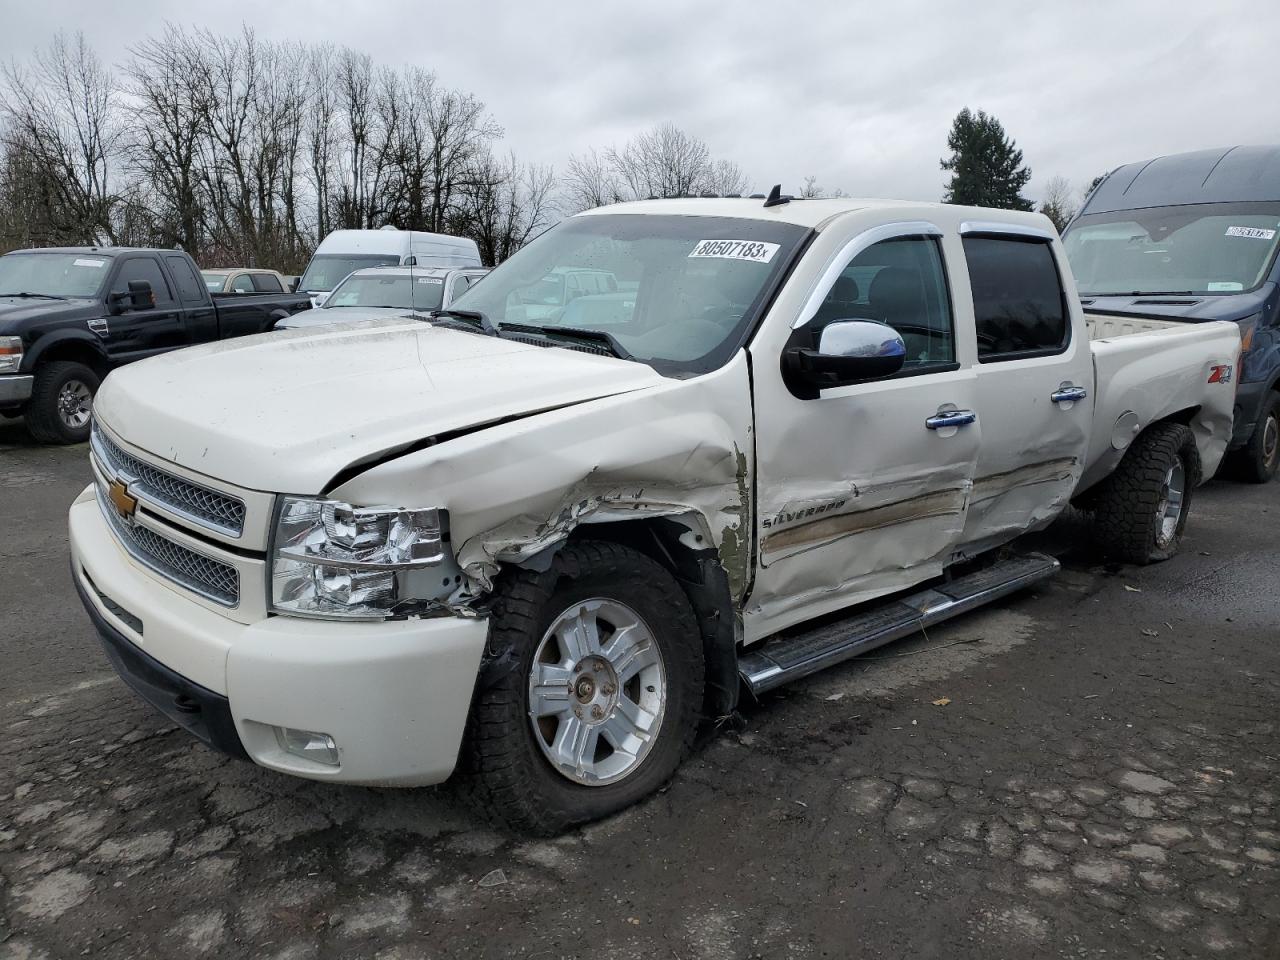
[863, 490]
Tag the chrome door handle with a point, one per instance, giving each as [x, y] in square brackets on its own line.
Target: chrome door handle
[951, 418]
[1066, 394]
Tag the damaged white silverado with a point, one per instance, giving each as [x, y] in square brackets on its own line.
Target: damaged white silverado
[541, 552]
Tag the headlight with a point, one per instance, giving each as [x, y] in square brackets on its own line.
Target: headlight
[10, 354]
[334, 559]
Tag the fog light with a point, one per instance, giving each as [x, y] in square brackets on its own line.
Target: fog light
[308, 744]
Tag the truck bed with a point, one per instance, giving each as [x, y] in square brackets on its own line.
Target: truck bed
[1147, 370]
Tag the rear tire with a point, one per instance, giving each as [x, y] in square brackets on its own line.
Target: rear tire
[1259, 459]
[1140, 511]
[61, 403]
[607, 594]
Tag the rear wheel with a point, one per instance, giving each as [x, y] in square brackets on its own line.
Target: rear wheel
[61, 403]
[1259, 459]
[1140, 511]
[590, 698]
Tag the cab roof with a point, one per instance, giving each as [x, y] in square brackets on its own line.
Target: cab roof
[814, 214]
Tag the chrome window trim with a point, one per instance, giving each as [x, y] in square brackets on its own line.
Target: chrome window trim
[855, 246]
[1014, 229]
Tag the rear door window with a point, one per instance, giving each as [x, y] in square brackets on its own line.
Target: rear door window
[267, 283]
[1019, 306]
[190, 287]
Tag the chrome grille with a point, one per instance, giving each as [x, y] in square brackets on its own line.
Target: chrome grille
[213, 579]
[215, 511]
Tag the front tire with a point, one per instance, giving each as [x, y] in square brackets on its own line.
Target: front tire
[61, 404]
[590, 696]
[1140, 511]
[1259, 459]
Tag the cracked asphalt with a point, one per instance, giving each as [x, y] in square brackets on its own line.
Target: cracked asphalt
[1091, 768]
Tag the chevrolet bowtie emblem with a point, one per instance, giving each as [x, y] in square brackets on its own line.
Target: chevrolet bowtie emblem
[125, 503]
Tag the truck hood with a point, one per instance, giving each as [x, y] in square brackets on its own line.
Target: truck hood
[1193, 309]
[286, 411]
[17, 313]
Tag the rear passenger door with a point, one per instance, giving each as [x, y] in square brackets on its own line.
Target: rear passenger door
[200, 319]
[1033, 380]
[135, 334]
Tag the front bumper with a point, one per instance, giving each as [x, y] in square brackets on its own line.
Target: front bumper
[15, 388]
[393, 695]
[1249, 400]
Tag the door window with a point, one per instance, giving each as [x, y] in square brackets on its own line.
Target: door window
[242, 284]
[144, 268]
[460, 286]
[267, 283]
[1019, 306]
[190, 288]
[899, 282]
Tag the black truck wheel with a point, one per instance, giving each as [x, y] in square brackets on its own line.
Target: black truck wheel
[61, 403]
[1258, 460]
[1140, 511]
[591, 692]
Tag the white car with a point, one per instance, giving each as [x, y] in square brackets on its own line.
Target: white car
[378, 292]
[556, 548]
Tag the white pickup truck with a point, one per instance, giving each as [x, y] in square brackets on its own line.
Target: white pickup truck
[542, 553]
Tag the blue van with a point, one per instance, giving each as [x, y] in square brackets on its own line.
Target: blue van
[1193, 237]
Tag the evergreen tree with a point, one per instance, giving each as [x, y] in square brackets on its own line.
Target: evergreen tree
[986, 166]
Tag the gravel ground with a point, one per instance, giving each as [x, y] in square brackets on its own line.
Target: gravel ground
[1090, 768]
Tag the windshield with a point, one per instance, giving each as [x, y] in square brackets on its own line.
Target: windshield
[53, 274]
[214, 281]
[326, 271]
[676, 292]
[373, 290]
[1190, 249]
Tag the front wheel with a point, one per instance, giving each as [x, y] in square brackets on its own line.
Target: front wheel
[1140, 511]
[1259, 459]
[61, 403]
[590, 697]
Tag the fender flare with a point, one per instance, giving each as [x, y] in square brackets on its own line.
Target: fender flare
[61, 338]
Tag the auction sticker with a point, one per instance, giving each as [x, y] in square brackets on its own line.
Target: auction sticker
[753, 250]
[1253, 233]
[89, 263]
[430, 280]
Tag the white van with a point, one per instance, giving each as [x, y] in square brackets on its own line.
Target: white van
[343, 251]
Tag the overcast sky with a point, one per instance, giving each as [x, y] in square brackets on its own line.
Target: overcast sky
[859, 94]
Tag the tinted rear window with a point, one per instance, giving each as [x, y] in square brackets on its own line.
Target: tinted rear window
[1018, 302]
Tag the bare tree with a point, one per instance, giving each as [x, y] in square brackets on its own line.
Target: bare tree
[169, 86]
[506, 205]
[1059, 202]
[725, 178]
[812, 191]
[591, 181]
[60, 116]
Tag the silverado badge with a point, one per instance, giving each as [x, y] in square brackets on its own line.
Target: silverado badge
[125, 503]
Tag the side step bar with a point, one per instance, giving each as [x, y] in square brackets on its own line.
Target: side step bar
[784, 659]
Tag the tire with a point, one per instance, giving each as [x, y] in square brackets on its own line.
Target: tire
[1131, 509]
[1259, 459]
[509, 773]
[50, 417]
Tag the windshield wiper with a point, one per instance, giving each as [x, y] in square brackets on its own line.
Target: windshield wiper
[44, 296]
[593, 337]
[1143, 293]
[485, 323]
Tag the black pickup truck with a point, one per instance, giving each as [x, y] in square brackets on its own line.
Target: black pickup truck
[70, 315]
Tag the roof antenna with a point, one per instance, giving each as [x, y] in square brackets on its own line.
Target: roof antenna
[776, 197]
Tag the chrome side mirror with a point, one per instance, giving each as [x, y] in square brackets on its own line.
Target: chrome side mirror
[849, 351]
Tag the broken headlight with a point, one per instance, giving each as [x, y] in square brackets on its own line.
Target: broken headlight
[335, 559]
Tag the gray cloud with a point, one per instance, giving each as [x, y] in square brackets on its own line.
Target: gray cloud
[860, 95]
